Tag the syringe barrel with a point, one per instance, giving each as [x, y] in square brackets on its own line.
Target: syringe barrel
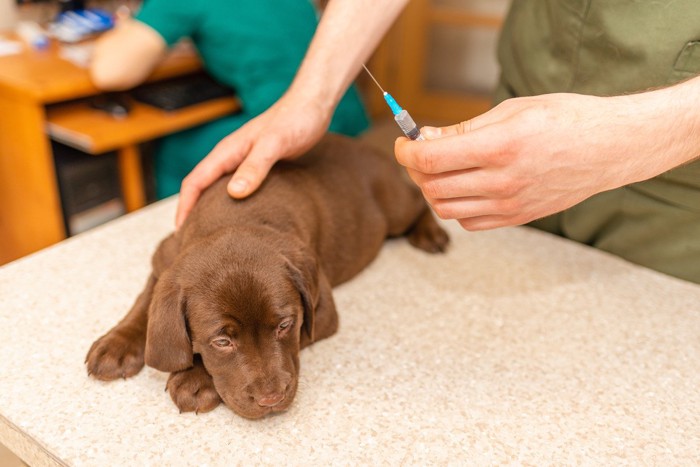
[408, 126]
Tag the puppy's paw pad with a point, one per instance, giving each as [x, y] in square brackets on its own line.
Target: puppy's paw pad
[192, 390]
[115, 355]
[427, 235]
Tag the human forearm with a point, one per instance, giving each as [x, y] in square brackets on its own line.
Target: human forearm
[640, 136]
[125, 56]
[669, 127]
[348, 33]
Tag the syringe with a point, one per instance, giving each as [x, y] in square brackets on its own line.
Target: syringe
[404, 120]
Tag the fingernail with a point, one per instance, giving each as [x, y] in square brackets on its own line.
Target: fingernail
[238, 186]
[430, 132]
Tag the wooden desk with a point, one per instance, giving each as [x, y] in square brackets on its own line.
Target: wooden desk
[38, 92]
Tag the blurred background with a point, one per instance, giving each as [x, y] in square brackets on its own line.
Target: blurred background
[438, 61]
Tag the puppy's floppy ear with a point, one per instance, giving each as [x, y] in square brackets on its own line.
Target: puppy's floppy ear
[320, 316]
[168, 346]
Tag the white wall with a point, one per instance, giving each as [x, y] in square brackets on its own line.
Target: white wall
[465, 59]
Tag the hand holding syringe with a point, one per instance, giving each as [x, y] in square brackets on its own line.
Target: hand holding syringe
[406, 123]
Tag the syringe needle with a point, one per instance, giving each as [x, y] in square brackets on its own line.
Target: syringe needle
[373, 79]
[403, 119]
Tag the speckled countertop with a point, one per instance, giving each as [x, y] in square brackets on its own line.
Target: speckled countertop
[513, 348]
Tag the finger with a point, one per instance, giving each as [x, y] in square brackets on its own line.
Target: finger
[185, 203]
[479, 148]
[429, 157]
[466, 183]
[495, 115]
[474, 224]
[477, 213]
[458, 184]
[432, 132]
[466, 126]
[231, 150]
[253, 170]
[464, 208]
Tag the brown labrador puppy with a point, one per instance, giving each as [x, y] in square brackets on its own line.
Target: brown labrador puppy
[244, 285]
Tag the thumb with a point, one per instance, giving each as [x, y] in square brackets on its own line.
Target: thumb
[431, 132]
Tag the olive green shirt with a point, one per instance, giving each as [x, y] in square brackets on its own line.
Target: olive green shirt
[605, 48]
[599, 47]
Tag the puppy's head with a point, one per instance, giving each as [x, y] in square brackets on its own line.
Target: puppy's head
[247, 306]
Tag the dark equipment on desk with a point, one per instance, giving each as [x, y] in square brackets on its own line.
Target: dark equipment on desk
[63, 5]
[184, 91]
[89, 188]
[115, 104]
[71, 5]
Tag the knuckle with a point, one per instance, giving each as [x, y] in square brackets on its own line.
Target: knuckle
[510, 147]
[510, 103]
[191, 178]
[432, 189]
[497, 188]
[509, 187]
[464, 126]
[273, 150]
[506, 185]
[429, 161]
[275, 140]
[188, 185]
[413, 156]
[509, 206]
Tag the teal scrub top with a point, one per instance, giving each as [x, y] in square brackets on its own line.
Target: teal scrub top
[255, 47]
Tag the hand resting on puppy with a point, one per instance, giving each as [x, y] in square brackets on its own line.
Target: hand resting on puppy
[243, 285]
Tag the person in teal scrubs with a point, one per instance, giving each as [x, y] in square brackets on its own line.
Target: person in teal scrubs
[253, 46]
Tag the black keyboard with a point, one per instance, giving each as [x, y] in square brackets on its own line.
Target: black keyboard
[183, 91]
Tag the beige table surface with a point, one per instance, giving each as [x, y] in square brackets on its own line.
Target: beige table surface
[514, 348]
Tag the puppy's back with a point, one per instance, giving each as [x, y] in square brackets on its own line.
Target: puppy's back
[342, 198]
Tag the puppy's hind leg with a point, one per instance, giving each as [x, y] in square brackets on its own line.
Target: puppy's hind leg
[119, 353]
[427, 235]
[408, 214]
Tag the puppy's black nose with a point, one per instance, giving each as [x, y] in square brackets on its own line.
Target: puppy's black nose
[270, 400]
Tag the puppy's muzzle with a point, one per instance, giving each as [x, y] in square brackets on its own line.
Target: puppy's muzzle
[270, 393]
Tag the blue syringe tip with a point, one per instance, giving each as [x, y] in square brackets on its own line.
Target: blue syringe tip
[393, 105]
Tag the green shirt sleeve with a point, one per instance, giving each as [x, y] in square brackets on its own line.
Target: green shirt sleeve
[172, 19]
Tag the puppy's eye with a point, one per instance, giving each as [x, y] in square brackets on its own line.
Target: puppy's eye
[222, 342]
[284, 326]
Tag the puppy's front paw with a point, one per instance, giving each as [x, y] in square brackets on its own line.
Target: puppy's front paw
[427, 235]
[117, 354]
[193, 390]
